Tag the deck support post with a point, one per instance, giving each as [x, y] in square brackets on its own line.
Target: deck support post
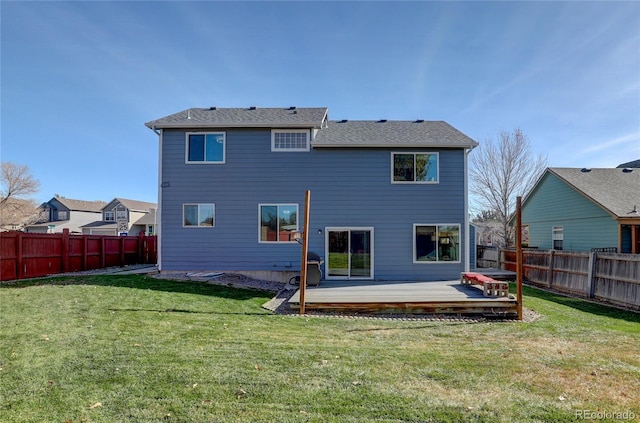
[519, 255]
[305, 250]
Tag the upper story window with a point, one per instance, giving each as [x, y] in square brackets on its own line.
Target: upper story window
[206, 147]
[63, 215]
[110, 216]
[289, 140]
[121, 214]
[414, 168]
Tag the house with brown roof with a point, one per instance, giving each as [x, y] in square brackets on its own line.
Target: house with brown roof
[61, 213]
[585, 209]
[122, 217]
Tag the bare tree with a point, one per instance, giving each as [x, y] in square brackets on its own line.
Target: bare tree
[502, 169]
[16, 187]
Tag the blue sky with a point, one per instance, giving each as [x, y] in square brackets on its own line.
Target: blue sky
[80, 79]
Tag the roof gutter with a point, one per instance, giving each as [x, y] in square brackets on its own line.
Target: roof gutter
[391, 145]
[153, 128]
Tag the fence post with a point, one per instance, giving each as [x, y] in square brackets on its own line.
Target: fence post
[591, 274]
[552, 257]
[65, 250]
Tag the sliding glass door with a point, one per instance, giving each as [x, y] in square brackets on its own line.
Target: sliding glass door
[349, 253]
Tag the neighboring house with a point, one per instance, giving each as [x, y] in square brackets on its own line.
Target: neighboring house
[488, 233]
[120, 217]
[146, 224]
[388, 198]
[17, 213]
[65, 213]
[633, 164]
[583, 209]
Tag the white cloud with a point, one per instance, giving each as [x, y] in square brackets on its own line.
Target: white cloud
[632, 139]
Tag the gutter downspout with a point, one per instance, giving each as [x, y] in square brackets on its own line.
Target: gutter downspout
[467, 237]
[160, 134]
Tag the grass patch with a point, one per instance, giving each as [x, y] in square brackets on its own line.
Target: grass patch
[132, 348]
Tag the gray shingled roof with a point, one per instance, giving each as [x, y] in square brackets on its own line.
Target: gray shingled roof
[81, 205]
[147, 219]
[391, 133]
[100, 224]
[216, 117]
[634, 164]
[134, 205]
[613, 189]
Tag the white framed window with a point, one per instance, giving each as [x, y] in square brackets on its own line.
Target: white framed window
[63, 215]
[206, 147]
[557, 237]
[277, 222]
[436, 243]
[414, 168]
[109, 216]
[290, 140]
[198, 215]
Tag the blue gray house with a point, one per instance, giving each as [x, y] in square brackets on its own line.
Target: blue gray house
[577, 209]
[388, 198]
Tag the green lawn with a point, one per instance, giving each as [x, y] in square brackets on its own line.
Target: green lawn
[132, 348]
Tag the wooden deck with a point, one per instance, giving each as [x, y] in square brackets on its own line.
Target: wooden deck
[446, 297]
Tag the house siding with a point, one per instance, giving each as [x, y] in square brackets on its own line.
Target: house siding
[349, 187]
[554, 203]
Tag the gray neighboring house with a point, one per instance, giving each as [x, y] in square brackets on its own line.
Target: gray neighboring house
[632, 164]
[388, 198]
[65, 213]
[123, 217]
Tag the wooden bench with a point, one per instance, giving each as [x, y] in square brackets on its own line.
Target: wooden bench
[490, 286]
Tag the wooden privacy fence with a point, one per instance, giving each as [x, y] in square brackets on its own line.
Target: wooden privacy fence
[609, 277]
[27, 255]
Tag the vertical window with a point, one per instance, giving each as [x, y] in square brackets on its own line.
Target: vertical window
[421, 168]
[109, 216]
[198, 215]
[206, 147]
[121, 213]
[277, 222]
[557, 236]
[436, 243]
[289, 140]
